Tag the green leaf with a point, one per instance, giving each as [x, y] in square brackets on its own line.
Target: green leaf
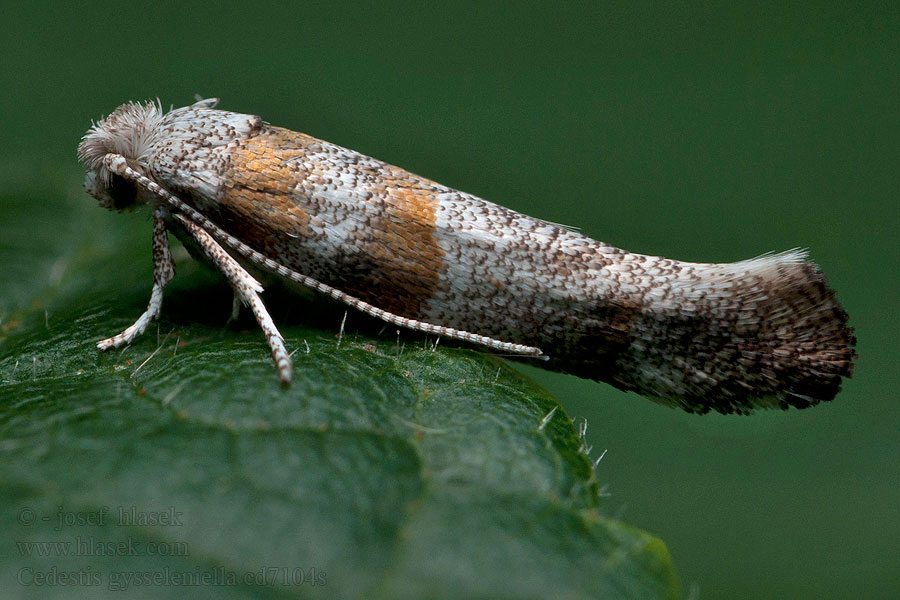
[387, 470]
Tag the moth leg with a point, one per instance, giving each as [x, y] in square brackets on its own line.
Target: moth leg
[163, 271]
[247, 289]
[235, 307]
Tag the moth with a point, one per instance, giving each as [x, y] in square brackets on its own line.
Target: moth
[249, 196]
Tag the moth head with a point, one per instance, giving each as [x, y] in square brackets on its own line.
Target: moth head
[132, 131]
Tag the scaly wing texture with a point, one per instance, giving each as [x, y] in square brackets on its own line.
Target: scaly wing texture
[764, 332]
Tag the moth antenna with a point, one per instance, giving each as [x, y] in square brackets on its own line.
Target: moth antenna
[116, 163]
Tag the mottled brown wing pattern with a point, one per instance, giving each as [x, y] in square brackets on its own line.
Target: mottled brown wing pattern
[729, 337]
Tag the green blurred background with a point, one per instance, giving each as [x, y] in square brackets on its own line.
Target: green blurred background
[706, 133]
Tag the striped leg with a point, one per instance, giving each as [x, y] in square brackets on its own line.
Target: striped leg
[247, 288]
[163, 271]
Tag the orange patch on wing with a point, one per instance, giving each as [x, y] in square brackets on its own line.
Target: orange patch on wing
[257, 196]
[403, 244]
[398, 249]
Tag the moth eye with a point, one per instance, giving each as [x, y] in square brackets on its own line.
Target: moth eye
[122, 192]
